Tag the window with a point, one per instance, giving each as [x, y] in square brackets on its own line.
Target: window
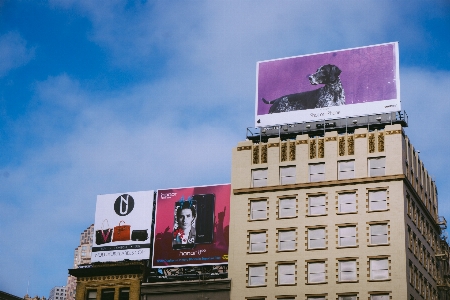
[377, 166]
[107, 294]
[379, 269]
[257, 241]
[287, 208]
[316, 298]
[378, 234]
[286, 240]
[348, 297]
[259, 178]
[316, 272]
[379, 297]
[316, 238]
[347, 236]
[124, 294]
[377, 200]
[347, 202]
[287, 175]
[317, 172]
[256, 275]
[286, 274]
[258, 209]
[317, 205]
[347, 270]
[346, 169]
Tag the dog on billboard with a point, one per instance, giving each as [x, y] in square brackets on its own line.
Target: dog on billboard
[331, 94]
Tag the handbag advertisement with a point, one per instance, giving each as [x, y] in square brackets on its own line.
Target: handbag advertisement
[122, 226]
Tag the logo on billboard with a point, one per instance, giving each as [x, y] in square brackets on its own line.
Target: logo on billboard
[124, 205]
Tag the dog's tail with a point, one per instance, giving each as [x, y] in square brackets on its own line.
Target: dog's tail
[268, 102]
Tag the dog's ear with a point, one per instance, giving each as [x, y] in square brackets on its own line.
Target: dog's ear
[334, 73]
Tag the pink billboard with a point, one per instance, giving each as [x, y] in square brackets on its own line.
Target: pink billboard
[191, 226]
[330, 85]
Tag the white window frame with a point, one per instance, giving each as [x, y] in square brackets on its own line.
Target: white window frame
[317, 238]
[316, 272]
[317, 205]
[377, 166]
[377, 233]
[287, 208]
[377, 198]
[347, 202]
[347, 236]
[257, 275]
[259, 177]
[381, 271]
[286, 274]
[346, 169]
[258, 242]
[380, 297]
[317, 172]
[287, 175]
[258, 209]
[347, 270]
[287, 240]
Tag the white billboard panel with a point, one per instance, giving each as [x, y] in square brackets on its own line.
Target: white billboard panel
[122, 226]
[330, 85]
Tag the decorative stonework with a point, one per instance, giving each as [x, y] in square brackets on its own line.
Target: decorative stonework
[381, 142]
[264, 153]
[329, 139]
[360, 135]
[291, 150]
[283, 152]
[301, 142]
[273, 145]
[244, 148]
[371, 143]
[393, 132]
[341, 146]
[312, 148]
[255, 154]
[351, 145]
[321, 151]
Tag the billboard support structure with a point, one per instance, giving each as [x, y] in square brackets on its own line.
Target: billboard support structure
[344, 125]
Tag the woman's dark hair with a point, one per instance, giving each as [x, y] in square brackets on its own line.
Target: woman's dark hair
[186, 205]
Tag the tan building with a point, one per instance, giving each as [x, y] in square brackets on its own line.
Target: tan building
[82, 255]
[341, 215]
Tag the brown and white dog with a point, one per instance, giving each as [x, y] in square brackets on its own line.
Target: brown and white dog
[331, 94]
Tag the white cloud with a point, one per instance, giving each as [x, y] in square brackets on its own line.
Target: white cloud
[14, 52]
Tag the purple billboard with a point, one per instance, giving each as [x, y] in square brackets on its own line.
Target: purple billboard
[330, 85]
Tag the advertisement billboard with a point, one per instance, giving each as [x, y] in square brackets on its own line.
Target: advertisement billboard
[329, 85]
[191, 226]
[122, 226]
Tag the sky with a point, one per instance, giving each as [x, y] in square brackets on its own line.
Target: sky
[102, 97]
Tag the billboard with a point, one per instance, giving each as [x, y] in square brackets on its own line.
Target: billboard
[122, 226]
[330, 85]
[191, 226]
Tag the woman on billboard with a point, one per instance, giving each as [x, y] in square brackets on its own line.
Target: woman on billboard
[184, 224]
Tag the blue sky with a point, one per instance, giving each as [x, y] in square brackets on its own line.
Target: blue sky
[113, 96]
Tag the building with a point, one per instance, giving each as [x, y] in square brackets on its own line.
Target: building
[58, 293]
[346, 213]
[82, 255]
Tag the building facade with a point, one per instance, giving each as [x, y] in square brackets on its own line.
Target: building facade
[82, 255]
[57, 293]
[339, 215]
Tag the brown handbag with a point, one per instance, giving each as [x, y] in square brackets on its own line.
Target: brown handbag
[121, 232]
